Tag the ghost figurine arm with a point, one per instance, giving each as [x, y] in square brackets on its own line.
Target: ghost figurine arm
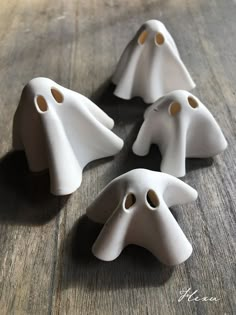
[217, 142]
[112, 238]
[107, 201]
[100, 115]
[177, 192]
[209, 140]
[65, 171]
[125, 86]
[182, 78]
[167, 241]
[143, 141]
[174, 154]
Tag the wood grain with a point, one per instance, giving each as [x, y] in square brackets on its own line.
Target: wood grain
[46, 264]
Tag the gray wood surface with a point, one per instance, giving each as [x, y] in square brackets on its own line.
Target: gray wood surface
[45, 262]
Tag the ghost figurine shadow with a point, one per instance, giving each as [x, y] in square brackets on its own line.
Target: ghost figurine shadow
[25, 197]
[195, 164]
[151, 161]
[134, 264]
[122, 111]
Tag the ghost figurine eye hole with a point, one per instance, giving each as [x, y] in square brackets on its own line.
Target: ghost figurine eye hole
[174, 108]
[192, 102]
[41, 103]
[142, 37]
[159, 39]
[57, 95]
[152, 199]
[129, 201]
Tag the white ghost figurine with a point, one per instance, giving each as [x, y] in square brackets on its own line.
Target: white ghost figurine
[150, 65]
[135, 210]
[182, 127]
[62, 131]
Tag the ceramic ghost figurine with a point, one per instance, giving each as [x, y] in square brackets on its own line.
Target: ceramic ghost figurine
[135, 210]
[182, 127]
[62, 131]
[150, 65]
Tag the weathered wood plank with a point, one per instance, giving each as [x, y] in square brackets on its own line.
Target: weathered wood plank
[31, 45]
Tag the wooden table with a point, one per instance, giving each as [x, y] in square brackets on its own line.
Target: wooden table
[45, 241]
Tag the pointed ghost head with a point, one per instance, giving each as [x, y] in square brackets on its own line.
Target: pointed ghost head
[182, 127]
[44, 95]
[134, 208]
[151, 66]
[152, 31]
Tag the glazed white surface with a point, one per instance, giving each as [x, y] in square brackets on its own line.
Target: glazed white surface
[61, 132]
[142, 220]
[189, 132]
[151, 67]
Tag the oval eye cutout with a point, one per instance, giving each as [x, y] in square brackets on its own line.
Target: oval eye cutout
[129, 200]
[142, 37]
[57, 95]
[41, 103]
[174, 108]
[159, 39]
[192, 102]
[152, 199]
